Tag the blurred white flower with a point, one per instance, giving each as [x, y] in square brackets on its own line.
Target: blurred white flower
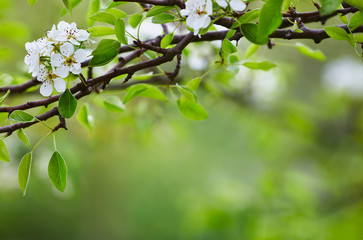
[68, 61]
[198, 12]
[49, 78]
[344, 75]
[236, 5]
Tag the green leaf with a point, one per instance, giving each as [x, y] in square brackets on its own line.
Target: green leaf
[57, 171]
[104, 17]
[143, 77]
[99, 31]
[249, 31]
[358, 37]
[251, 50]
[355, 3]
[117, 12]
[163, 18]
[270, 19]
[67, 104]
[24, 172]
[316, 54]
[187, 93]
[230, 33]
[32, 2]
[153, 92]
[68, 5]
[133, 92]
[111, 4]
[2, 99]
[166, 40]
[21, 116]
[85, 118]
[73, 4]
[135, 19]
[248, 17]
[4, 156]
[157, 10]
[23, 137]
[228, 47]
[329, 6]
[356, 20]
[194, 83]
[114, 104]
[191, 109]
[105, 52]
[338, 33]
[120, 31]
[265, 65]
[93, 8]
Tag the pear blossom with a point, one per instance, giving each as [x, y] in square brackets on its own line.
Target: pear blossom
[69, 32]
[49, 78]
[68, 61]
[35, 50]
[198, 12]
[236, 5]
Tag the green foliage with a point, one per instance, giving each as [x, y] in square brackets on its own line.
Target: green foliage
[104, 17]
[316, 54]
[32, 2]
[135, 19]
[228, 47]
[265, 65]
[4, 155]
[114, 104]
[340, 34]
[21, 116]
[85, 118]
[163, 18]
[68, 5]
[105, 52]
[355, 3]
[67, 104]
[94, 7]
[57, 171]
[356, 20]
[270, 19]
[192, 110]
[100, 31]
[156, 10]
[3, 98]
[24, 172]
[120, 31]
[328, 6]
[252, 49]
[23, 137]
[165, 42]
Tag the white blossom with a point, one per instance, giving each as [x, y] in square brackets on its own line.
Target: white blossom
[68, 61]
[35, 50]
[198, 12]
[236, 5]
[49, 78]
[70, 32]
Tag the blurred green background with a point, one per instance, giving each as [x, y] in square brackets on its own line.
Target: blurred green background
[280, 156]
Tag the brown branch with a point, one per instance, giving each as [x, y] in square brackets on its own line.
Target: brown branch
[179, 3]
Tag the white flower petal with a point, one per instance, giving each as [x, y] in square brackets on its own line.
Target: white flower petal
[237, 5]
[59, 85]
[80, 55]
[42, 73]
[56, 60]
[62, 26]
[184, 12]
[222, 3]
[67, 49]
[82, 35]
[74, 41]
[62, 71]
[76, 68]
[46, 89]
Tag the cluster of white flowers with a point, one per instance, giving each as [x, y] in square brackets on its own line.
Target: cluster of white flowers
[199, 11]
[52, 57]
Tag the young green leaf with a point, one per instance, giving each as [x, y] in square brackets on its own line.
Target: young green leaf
[356, 20]
[135, 19]
[23, 137]
[251, 50]
[249, 16]
[157, 10]
[270, 18]
[120, 31]
[153, 92]
[194, 83]
[143, 77]
[163, 18]
[228, 47]
[21, 116]
[111, 4]
[32, 2]
[355, 3]
[85, 118]
[68, 5]
[57, 171]
[249, 31]
[265, 65]
[104, 17]
[191, 109]
[329, 6]
[114, 104]
[230, 33]
[316, 54]
[4, 156]
[2, 99]
[133, 92]
[67, 104]
[94, 7]
[187, 93]
[105, 52]
[99, 31]
[117, 12]
[338, 33]
[24, 172]
[166, 40]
